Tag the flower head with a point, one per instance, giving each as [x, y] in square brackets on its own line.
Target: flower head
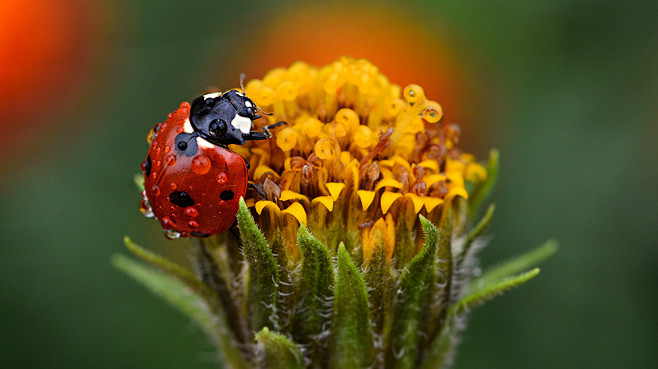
[359, 245]
[359, 156]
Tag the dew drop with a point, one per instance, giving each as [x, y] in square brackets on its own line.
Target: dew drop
[167, 148]
[156, 190]
[222, 178]
[168, 223]
[191, 211]
[173, 186]
[171, 234]
[201, 164]
[146, 210]
[179, 129]
[170, 159]
[193, 224]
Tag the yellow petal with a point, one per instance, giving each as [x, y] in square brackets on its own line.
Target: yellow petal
[476, 172]
[433, 178]
[286, 139]
[366, 198]
[430, 164]
[345, 157]
[388, 182]
[388, 198]
[456, 191]
[260, 205]
[417, 201]
[327, 201]
[297, 210]
[291, 195]
[402, 161]
[262, 169]
[335, 189]
[432, 202]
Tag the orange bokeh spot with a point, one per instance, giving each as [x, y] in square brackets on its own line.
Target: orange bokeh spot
[403, 48]
[45, 48]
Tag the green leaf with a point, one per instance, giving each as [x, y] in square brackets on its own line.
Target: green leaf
[492, 290]
[412, 300]
[280, 352]
[439, 354]
[263, 276]
[352, 346]
[139, 181]
[516, 265]
[315, 285]
[186, 300]
[475, 233]
[483, 190]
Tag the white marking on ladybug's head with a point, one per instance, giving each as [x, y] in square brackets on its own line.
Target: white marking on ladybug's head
[212, 95]
[204, 144]
[241, 123]
[248, 104]
[187, 126]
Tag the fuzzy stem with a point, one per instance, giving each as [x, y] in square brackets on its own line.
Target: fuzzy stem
[209, 273]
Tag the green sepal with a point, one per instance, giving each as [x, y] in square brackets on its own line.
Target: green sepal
[280, 352]
[405, 247]
[263, 274]
[515, 265]
[188, 278]
[315, 290]
[476, 232]
[186, 299]
[412, 300]
[352, 346]
[489, 291]
[482, 190]
[139, 181]
[381, 283]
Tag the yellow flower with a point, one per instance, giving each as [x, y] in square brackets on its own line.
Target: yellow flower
[359, 159]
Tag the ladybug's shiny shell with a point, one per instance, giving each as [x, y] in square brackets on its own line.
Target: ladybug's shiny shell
[192, 186]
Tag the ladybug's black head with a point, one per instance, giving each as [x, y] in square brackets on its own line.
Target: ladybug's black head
[223, 119]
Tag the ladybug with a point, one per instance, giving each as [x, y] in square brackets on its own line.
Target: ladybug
[192, 181]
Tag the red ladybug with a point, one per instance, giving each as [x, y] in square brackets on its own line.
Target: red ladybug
[193, 182]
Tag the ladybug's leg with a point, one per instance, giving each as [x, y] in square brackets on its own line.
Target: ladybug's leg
[255, 135]
[256, 188]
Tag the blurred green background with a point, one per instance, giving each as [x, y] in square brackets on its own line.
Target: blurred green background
[566, 90]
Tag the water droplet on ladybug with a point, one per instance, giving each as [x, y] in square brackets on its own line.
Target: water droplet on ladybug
[173, 186]
[179, 129]
[222, 177]
[170, 159]
[191, 211]
[167, 148]
[171, 234]
[158, 163]
[156, 190]
[193, 224]
[168, 223]
[170, 115]
[154, 175]
[201, 164]
[146, 210]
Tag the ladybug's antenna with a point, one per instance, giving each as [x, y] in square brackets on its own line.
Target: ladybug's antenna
[242, 77]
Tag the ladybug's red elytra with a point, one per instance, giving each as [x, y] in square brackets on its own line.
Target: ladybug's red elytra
[192, 181]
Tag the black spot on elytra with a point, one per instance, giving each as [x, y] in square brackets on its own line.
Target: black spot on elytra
[227, 195]
[181, 198]
[186, 144]
[199, 234]
[147, 166]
